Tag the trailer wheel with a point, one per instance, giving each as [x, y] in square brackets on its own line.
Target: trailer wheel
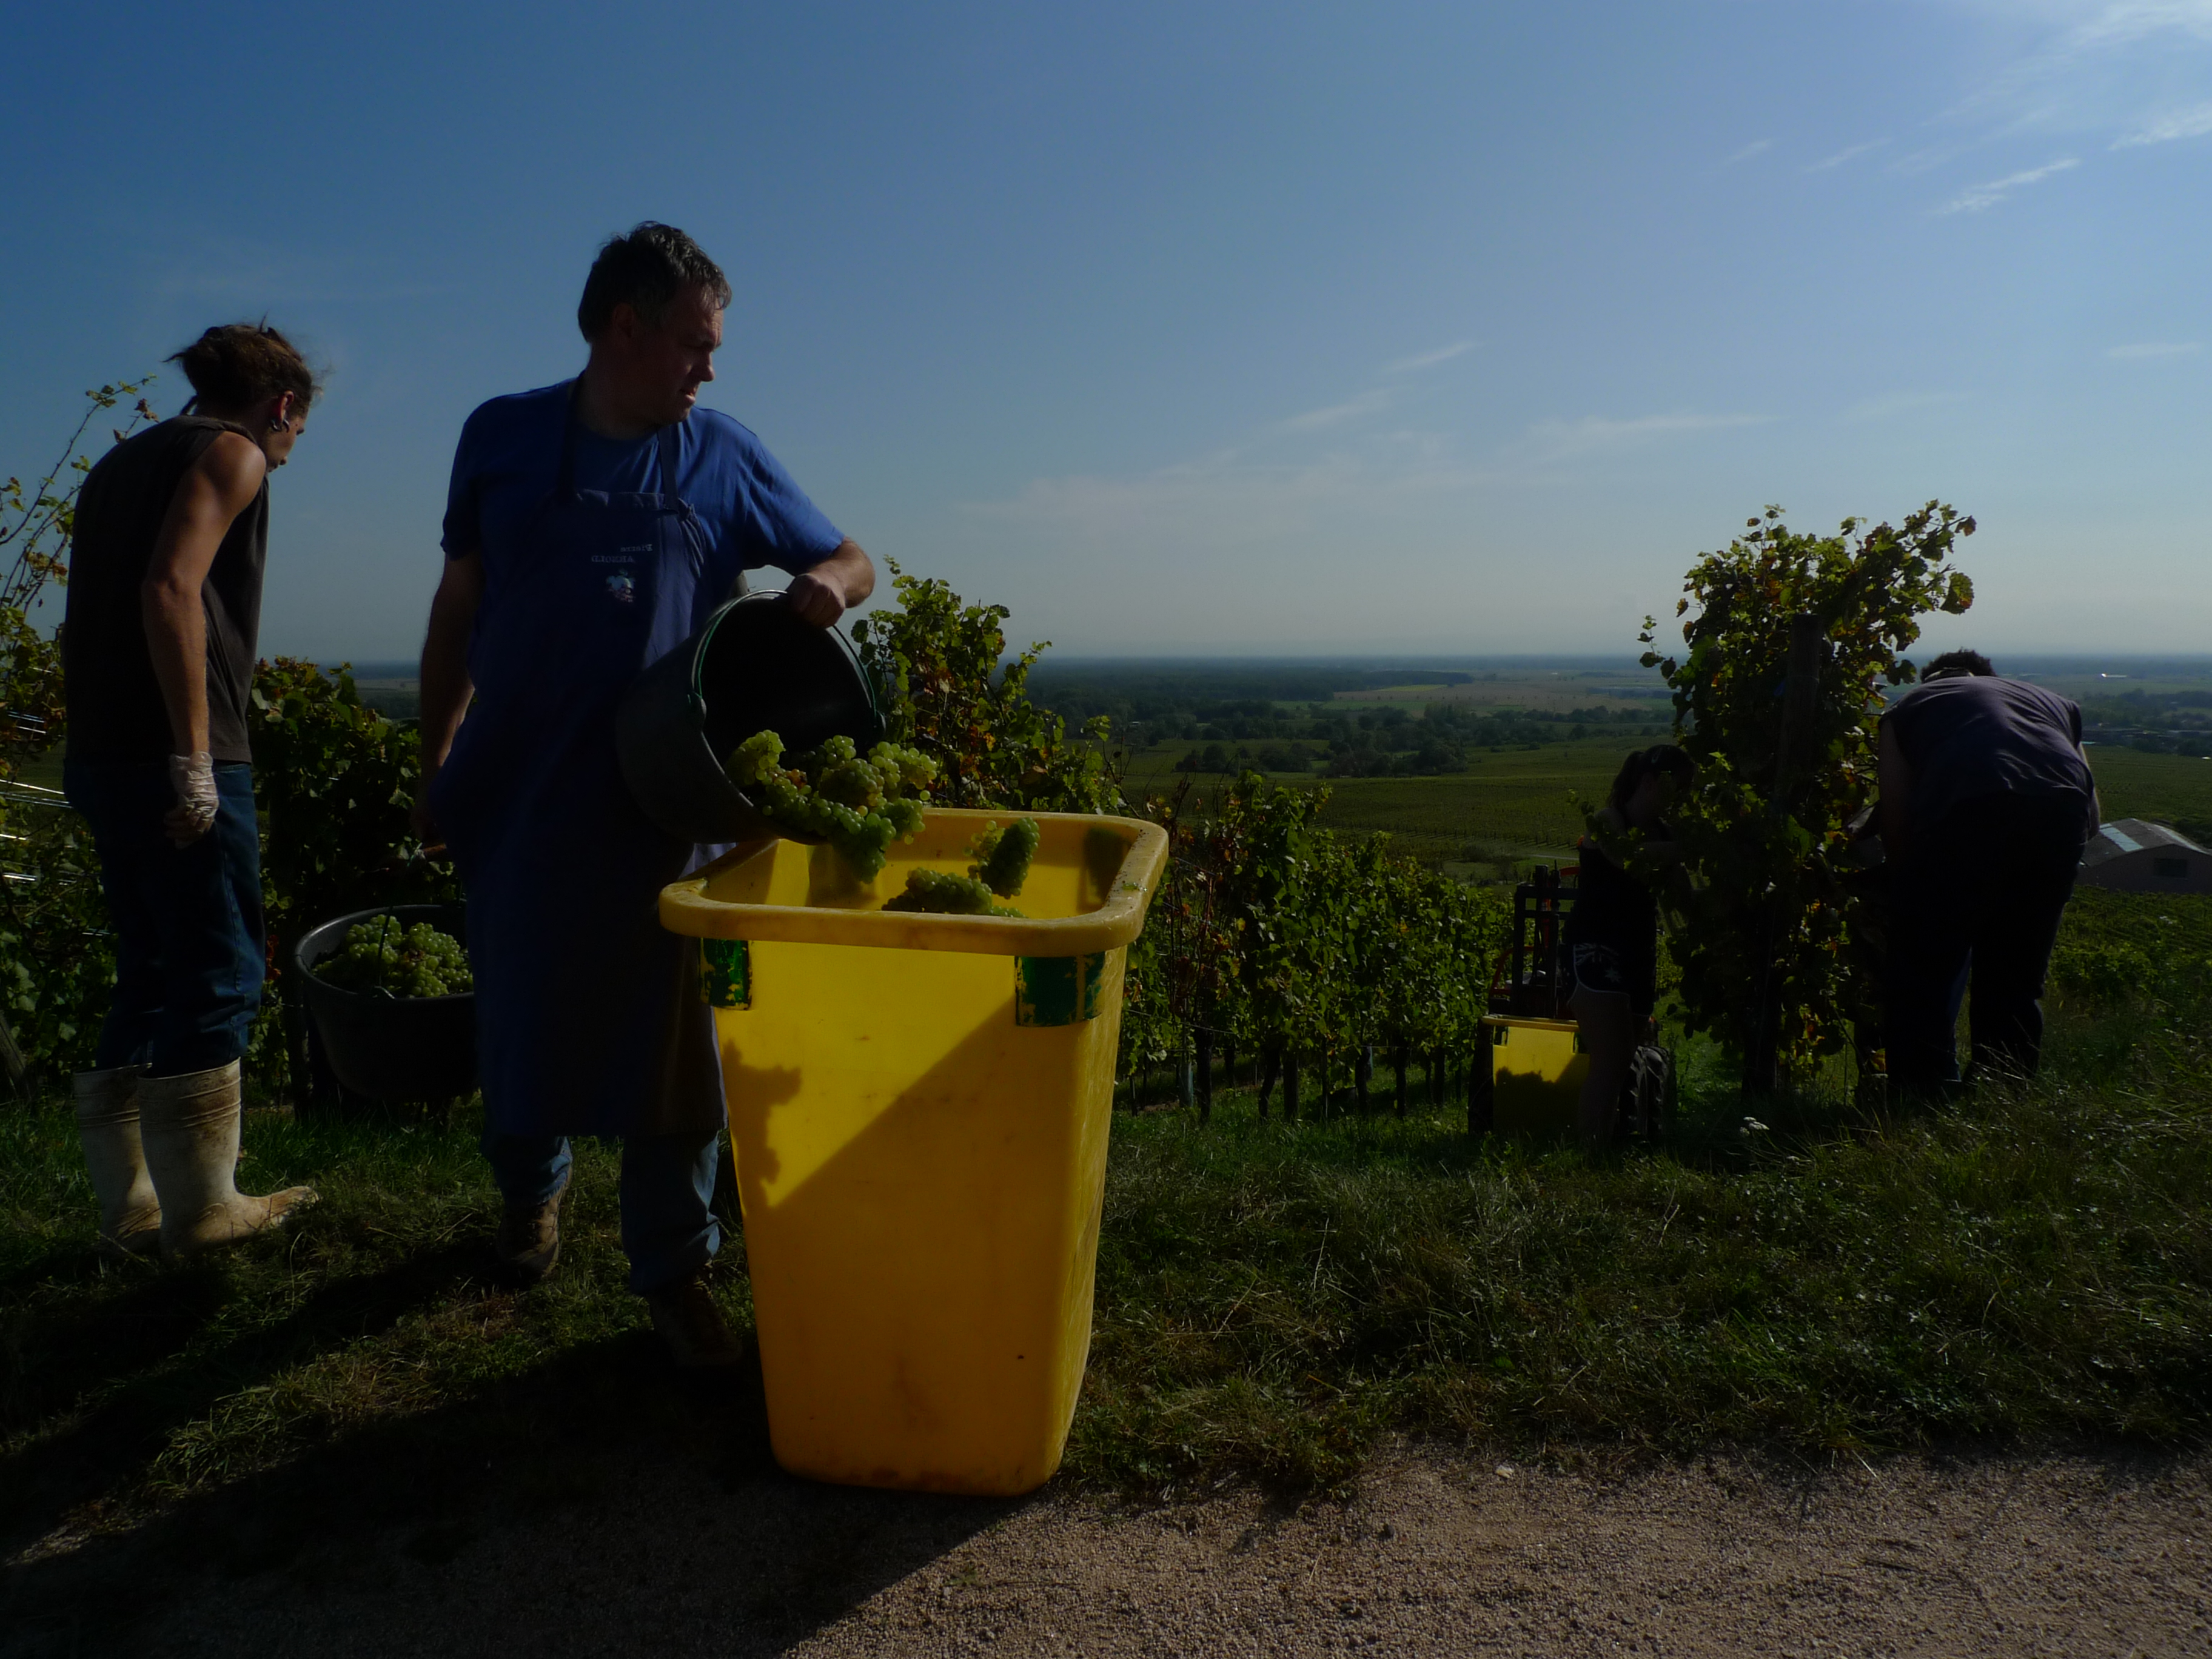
[1650, 1095]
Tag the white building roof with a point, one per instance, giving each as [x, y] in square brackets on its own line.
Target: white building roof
[2114, 841]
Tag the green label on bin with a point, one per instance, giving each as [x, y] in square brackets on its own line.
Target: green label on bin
[1057, 990]
[725, 973]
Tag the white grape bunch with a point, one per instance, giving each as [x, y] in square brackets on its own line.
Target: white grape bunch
[859, 804]
[1002, 855]
[382, 958]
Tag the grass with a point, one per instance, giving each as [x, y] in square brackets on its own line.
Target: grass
[1271, 1297]
[2028, 1264]
[374, 1324]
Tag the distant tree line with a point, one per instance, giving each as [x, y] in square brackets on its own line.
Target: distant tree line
[1346, 741]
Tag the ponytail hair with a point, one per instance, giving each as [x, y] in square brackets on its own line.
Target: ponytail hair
[236, 365]
[1660, 758]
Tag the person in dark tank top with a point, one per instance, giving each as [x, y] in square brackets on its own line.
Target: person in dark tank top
[1612, 932]
[1986, 803]
[158, 648]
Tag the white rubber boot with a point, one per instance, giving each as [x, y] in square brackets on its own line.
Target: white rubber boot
[107, 1128]
[189, 1124]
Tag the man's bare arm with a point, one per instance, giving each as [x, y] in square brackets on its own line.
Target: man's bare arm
[445, 689]
[220, 485]
[834, 587]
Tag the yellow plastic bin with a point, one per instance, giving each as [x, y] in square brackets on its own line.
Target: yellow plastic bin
[919, 1106]
[1536, 1072]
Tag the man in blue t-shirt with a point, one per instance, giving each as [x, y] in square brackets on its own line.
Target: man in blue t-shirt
[1986, 802]
[591, 527]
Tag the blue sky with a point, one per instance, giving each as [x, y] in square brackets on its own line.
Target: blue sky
[1198, 327]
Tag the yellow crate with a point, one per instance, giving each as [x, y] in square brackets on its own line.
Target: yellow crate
[919, 1106]
[1536, 1072]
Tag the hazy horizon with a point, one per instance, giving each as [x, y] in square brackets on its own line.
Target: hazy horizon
[2023, 664]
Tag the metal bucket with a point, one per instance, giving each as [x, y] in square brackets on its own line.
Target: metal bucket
[756, 666]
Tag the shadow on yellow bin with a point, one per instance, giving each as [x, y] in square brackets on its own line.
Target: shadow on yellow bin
[1536, 1072]
[919, 1106]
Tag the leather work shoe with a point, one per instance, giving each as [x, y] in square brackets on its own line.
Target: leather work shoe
[528, 1242]
[691, 1325]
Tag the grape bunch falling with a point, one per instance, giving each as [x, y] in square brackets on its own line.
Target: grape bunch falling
[1002, 855]
[859, 804]
[382, 958]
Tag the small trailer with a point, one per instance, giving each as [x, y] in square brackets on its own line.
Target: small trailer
[1531, 1065]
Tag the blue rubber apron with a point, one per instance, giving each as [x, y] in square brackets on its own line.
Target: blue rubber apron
[589, 1019]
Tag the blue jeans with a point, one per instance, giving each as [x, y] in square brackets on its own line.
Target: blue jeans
[191, 949]
[668, 1225]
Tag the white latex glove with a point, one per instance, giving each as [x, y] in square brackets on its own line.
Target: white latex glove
[193, 776]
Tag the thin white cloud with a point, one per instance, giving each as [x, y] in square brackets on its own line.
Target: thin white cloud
[2101, 66]
[1899, 403]
[1754, 148]
[1979, 198]
[2118, 22]
[1553, 440]
[2146, 349]
[1850, 152]
[1397, 469]
[1318, 420]
[2183, 124]
[1421, 360]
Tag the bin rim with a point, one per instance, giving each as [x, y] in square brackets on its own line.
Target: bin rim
[685, 908]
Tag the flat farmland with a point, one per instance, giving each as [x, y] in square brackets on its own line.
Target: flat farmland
[1546, 690]
[2165, 789]
[1516, 802]
[1519, 803]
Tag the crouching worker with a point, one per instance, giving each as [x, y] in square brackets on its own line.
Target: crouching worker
[591, 527]
[1612, 932]
[1986, 804]
[157, 654]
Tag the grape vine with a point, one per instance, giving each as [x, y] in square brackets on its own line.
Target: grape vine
[1295, 945]
[1775, 939]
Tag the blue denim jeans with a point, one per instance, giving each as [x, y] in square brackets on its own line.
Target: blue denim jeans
[668, 1225]
[191, 951]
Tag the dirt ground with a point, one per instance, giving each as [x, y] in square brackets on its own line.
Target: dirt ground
[2074, 1555]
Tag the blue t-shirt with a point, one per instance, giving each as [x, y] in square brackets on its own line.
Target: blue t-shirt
[509, 458]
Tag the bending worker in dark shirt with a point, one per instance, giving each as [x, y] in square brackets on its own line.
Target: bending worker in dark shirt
[1986, 802]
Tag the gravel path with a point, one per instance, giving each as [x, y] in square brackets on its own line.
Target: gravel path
[1437, 1554]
